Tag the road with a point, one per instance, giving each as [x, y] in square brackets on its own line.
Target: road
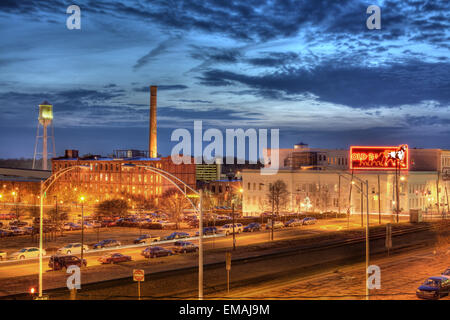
[126, 236]
[400, 277]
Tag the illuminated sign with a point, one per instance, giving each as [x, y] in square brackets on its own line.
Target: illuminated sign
[379, 158]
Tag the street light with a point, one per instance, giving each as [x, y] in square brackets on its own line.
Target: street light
[43, 190]
[82, 228]
[173, 180]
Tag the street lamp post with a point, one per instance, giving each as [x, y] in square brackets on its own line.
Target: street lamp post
[82, 228]
[200, 249]
[175, 180]
[43, 190]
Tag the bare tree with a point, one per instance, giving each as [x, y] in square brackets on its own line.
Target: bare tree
[278, 196]
[174, 203]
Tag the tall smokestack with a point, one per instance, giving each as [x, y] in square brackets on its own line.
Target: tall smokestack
[152, 145]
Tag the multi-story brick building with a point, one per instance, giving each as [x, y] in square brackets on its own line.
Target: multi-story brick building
[106, 177]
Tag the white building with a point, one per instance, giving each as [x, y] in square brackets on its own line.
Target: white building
[328, 189]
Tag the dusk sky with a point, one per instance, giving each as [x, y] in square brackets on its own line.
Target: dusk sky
[310, 68]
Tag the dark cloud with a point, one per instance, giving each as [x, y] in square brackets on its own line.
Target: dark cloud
[388, 85]
[162, 87]
[149, 57]
[190, 114]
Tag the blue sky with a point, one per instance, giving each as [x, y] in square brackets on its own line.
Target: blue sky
[310, 68]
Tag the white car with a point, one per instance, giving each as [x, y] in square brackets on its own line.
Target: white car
[228, 228]
[72, 248]
[27, 253]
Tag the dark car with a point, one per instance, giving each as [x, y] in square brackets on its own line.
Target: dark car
[184, 247]
[252, 227]
[63, 262]
[177, 235]
[434, 288]
[293, 223]
[108, 223]
[108, 243]
[208, 231]
[114, 258]
[6, 233]
[446, 272]
[155, 252]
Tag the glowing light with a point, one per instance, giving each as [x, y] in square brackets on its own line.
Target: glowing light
[241, 190]
[32, 290]
[402, 178]
[82, 198]
[379, 158]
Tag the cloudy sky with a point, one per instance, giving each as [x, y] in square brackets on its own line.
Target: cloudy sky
[310, 68]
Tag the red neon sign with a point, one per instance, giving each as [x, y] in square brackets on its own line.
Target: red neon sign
[379, 158]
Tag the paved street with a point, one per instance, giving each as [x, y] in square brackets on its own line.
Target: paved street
[400, 277]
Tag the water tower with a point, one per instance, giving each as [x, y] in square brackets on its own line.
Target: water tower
[45, 119]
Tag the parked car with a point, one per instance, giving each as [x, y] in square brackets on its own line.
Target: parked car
[70, 226]
[96, 224]
[108, 223]
[2, 255]
[72, 248]
[6, 233]
[17, 231]
[176, 235]
[146, 238]
[434, 288]
[208, 231]
[276, 225]
[293, 223]
[252, 227]
[108, 243]
[63, 262]
[184, 247]
[114, 258]
[88, 225]
[27, 253]
[154, 252]
[309, 220]
[17, 223]
[228, 228]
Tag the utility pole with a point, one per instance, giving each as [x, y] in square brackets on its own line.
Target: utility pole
[234, 232]
[362, 205]
[379, 201]
[367, 238]
[200, 249]
[437, 192]
[339, 196]
[349, 202]
[397, 186]
[82, 229]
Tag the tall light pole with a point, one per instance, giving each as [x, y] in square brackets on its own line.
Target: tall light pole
[200, 249]
[43, 190]
[175, 181]
[82, 228]
[367, 239]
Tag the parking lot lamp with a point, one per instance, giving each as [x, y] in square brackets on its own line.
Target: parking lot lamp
[82, 228]
[45, 185]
